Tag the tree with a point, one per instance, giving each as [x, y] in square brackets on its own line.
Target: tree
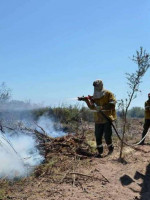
[5, 93]
[142, 59]
[136, 112]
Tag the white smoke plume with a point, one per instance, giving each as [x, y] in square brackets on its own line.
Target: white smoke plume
[19, 159]
[50, 127]
[18, 152]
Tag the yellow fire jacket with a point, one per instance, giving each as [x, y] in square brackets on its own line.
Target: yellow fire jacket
[107, 102]
[147, 109]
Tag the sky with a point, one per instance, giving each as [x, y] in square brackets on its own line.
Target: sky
[53, 50]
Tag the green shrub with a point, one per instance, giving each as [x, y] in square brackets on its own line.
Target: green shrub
[65, 114]
[136, 112]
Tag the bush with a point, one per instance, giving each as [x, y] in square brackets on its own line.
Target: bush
[65, 114]
[136, 112]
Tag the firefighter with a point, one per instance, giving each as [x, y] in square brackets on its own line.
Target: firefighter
[104, 100]
[147, 118]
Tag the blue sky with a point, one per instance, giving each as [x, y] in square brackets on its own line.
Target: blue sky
[53, 50]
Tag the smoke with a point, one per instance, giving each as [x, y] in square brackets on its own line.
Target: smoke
[18, 155]
[52, 128]
[15, 105]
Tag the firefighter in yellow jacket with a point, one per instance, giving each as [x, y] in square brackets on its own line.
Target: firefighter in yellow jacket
[147, 118]
[102, 100]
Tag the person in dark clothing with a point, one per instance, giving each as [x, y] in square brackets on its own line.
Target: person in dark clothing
[147, 118]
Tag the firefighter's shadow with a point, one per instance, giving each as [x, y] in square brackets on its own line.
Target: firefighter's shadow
[145, 185]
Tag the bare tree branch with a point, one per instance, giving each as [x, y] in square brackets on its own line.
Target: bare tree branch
[142, 59]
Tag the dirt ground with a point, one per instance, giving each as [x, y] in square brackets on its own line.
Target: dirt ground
[91, 179]
[106, 179]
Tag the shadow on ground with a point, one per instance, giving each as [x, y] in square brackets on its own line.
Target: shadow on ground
[145, 191]
[145, 186]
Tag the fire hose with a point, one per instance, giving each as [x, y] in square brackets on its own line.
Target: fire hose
[110, 121]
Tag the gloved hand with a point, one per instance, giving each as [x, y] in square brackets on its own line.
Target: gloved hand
[98, 108]
[147, 108]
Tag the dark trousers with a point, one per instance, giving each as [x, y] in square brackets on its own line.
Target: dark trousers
[146, 127]
[106, 130]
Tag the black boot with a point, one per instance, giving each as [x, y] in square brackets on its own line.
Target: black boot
[110, 149]
[100, 149]
[100, 152]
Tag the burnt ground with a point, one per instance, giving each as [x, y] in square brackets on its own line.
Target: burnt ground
[70, 175]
